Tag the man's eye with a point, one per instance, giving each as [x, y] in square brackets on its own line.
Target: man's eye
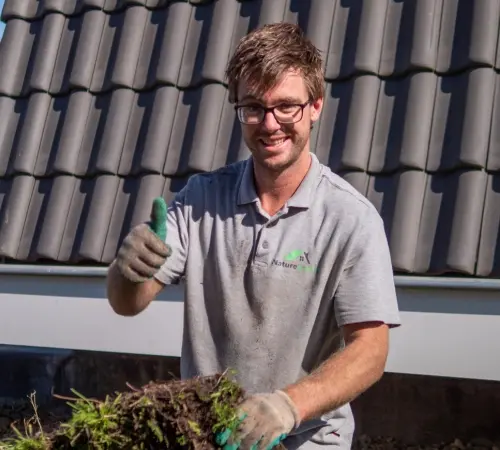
[252, 109]
[286, 108]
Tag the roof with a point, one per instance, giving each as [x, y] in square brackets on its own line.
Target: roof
[105, 104]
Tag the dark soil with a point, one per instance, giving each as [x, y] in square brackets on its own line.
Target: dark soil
[389, 443]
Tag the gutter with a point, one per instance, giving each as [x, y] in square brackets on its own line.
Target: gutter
[401, 281]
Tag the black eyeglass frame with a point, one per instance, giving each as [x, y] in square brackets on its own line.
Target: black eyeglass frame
[271, 110]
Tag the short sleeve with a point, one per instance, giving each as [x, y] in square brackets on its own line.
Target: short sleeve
[366, 290]
[177, 238]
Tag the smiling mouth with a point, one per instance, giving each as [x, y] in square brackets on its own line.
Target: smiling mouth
[273, 142]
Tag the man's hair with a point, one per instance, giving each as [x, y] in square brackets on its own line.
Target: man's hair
[266, 53]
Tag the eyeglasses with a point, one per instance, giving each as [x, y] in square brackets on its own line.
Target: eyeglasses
[284, 114]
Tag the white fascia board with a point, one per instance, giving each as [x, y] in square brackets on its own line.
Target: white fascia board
[451, 327]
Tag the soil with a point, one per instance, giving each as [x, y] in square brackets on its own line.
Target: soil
[389, 443]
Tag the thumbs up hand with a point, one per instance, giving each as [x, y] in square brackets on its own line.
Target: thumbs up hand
[143, 250]
[159, 218]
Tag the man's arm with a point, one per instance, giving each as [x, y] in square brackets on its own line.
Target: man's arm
[339, 380]
[346, 374]
[128, 298]
[365, 307]
[151, 256]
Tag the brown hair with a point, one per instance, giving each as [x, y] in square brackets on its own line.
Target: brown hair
[266, 53]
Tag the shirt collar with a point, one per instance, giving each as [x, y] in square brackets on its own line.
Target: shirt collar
[305, 193]
[247, 192]
[300, 199]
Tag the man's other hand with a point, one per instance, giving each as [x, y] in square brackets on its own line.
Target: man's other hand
[267, 420]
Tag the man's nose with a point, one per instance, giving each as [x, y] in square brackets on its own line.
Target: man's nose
[270, 123]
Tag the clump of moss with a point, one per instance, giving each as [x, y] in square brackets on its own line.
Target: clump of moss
[177, 414]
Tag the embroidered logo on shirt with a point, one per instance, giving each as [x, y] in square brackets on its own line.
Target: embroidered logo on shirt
[296, 260]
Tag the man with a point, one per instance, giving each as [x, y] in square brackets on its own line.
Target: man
[288, 272]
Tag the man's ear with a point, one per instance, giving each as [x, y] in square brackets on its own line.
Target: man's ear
[316, 108]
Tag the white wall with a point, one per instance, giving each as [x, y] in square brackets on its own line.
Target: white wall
[447, 331]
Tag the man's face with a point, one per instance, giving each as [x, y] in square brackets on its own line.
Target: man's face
[274, 145]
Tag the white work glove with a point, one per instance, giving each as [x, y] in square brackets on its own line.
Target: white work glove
[268, 419]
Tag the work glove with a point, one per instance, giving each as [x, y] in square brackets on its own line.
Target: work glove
[267, 419]
[143, 250]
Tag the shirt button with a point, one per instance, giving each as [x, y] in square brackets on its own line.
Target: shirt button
[265, 244]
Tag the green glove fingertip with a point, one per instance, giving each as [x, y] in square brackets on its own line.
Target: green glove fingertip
[276, 441]
[222, 437]
[159, 218]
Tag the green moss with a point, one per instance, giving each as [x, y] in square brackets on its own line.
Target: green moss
[224, 405]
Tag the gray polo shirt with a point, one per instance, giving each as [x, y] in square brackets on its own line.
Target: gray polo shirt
[266, 295]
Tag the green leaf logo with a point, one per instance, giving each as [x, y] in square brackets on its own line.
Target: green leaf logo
[293, 255]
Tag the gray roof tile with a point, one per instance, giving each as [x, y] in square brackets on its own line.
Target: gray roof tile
[488, 259]
[106, 104]
[450, 222]
[461, 120]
